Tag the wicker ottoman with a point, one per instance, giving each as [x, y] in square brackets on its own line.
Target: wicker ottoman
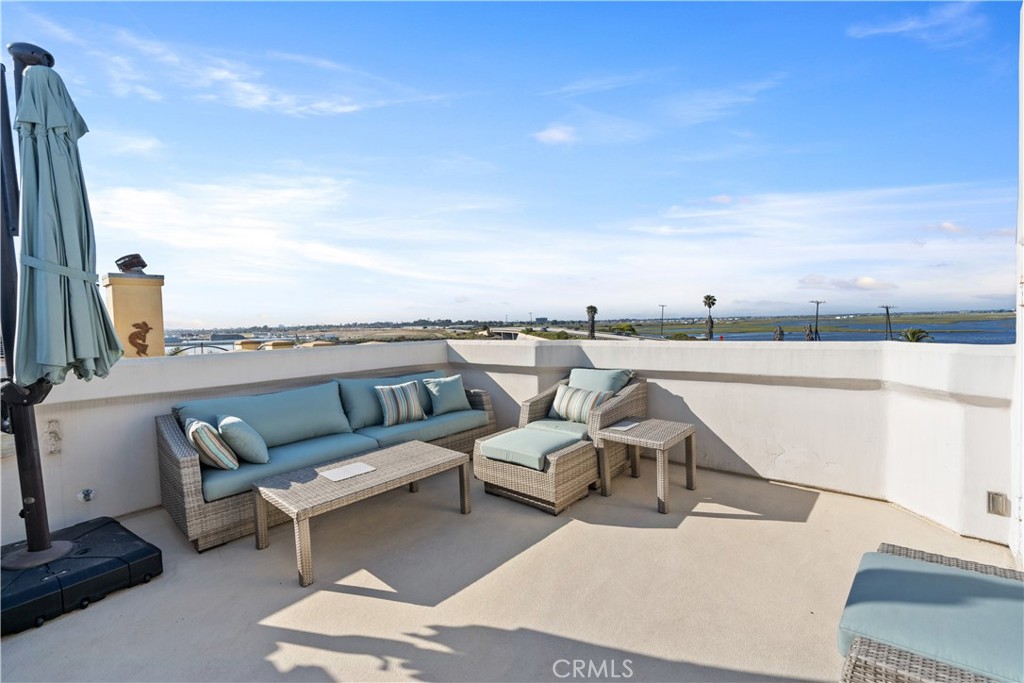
[566, 478]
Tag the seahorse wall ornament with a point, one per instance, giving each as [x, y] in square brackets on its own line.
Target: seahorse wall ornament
[138, 338]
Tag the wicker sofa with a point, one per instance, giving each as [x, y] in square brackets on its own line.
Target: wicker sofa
[212, 507]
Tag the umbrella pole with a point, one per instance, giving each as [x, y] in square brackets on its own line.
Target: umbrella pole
[19, 402]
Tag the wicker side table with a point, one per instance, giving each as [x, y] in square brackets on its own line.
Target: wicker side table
[658, 435]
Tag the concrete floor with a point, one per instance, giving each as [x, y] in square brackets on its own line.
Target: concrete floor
[744, 580]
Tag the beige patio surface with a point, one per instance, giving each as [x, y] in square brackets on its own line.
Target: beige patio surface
[745, 580]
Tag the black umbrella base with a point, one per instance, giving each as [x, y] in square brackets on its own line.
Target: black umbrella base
[104, 557]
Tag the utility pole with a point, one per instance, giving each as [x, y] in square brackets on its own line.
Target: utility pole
[888, 322]
[817, 337]
[662, 319]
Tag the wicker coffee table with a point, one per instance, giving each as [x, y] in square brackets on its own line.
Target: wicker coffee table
[306, 493]
[659, 435]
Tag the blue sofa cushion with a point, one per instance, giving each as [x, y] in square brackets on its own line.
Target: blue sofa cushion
[447, 394]
[245, 441]
[577, 429]
[527, 447]
[311, 452]
[430, 429]
[599, 380]
[359, 397]
[966, 619]
[281, 417]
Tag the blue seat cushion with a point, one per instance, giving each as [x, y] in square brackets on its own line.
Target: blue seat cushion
[527, 447]
[281, 417]
[362, 406]
[577, 429]
[963, 618]
[293, 456]
[426, 430]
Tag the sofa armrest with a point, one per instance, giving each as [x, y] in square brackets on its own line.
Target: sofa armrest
[631, 401]
[538, 407]
[181, 484]
[481, 400]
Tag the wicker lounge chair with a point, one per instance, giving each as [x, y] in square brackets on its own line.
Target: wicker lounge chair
[870, 660]
[630, 401]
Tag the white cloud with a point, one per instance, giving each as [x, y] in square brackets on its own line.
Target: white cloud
[557, 134]
[948, 227]
[943, 26]
[863, 282]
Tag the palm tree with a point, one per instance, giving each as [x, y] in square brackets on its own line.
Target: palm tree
[914, 334]
[709, 301]
[591, 314]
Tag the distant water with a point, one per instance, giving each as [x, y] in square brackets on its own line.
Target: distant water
[966, 332]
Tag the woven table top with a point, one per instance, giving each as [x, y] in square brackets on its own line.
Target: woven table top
[650, 433]
[305, 492]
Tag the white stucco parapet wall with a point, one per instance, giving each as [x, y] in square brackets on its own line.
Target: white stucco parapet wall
[925, 426]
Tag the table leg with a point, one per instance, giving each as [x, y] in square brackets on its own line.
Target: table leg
[303, 551]
[414, 487]
[262, 537]
[691, 462]
[663, 481]
[464, 491]
[634, 461]
[603, 473]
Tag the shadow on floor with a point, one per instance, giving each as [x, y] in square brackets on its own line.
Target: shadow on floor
[490, 655]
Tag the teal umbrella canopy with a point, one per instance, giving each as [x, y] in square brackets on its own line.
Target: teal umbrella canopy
[63, 325]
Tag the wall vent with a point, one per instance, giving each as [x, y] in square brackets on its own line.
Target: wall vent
[998, 504]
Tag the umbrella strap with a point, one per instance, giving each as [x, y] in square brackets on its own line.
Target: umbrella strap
[56, 269]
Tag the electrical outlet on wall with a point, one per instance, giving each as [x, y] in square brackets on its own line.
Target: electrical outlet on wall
[54, 436]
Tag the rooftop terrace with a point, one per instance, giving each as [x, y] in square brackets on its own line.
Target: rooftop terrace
[744, 580]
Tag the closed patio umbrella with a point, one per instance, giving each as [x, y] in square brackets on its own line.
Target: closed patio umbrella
[62, 323]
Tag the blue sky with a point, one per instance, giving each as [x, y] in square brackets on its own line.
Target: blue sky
[340, 162]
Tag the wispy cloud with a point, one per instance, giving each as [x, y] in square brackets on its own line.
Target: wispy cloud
[121, 143]
[854, 242]
[152, 69]
[557, 134]
[586, 125]
[701, 106]
[596, 84]
[943, 26]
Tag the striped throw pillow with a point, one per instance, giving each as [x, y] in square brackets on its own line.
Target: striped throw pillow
[400, 403]
[575, 405]
[205, 438]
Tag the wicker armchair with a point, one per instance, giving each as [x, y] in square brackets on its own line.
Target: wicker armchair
[630, 401]
[872, 661]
